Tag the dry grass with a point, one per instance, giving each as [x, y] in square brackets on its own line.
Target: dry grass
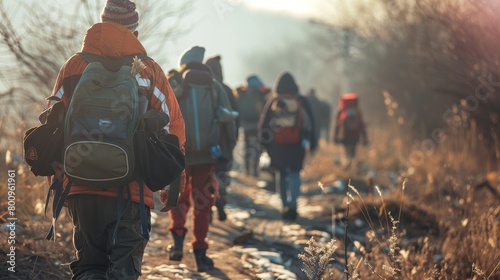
[442, 225]
[36, 258]
[418, 242]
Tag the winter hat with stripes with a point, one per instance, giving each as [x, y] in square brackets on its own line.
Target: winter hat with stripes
[122, 12]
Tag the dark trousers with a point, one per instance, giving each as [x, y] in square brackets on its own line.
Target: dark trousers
[350, 148]
[94, 220]
[289, 187]
[202, 188]
[221, 169]
[252, 152]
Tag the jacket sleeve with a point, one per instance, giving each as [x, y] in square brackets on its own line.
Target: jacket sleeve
[231, 128]
[67, 79]
[222, 98]
[265, 134]
[65, 84]
[234, 106]
[307, 127]
[312, 129]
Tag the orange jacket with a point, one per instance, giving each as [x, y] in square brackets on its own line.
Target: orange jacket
[115, 40]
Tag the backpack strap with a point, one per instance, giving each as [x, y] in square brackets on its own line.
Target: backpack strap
[58, 203]
[120, 209]
[142, 209]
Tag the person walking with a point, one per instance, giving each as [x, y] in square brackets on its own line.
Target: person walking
[251, 100]
[349, 127]
[205, 108]
[286, 131]
[92, 210]
[229, 135]
[322, 115]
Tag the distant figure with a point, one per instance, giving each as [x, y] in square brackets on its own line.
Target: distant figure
[286, 131]
[349, 125]
[322, 115]
[251, 100]
[229, 135]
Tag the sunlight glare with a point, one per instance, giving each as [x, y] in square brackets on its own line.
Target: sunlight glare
[299, 8]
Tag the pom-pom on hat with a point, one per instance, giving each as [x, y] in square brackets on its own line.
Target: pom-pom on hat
[122, 12]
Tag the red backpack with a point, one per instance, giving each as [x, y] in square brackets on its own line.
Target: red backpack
[349, 117]
[287, 119]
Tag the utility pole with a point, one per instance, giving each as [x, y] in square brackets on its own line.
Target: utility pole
[346, 85]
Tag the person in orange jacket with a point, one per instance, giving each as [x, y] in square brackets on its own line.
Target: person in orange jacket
[93, 211]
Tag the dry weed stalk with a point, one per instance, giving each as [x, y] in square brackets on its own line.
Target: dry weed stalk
[316, 258]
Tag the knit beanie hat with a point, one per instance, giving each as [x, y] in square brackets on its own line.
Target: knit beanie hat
[194, 54]
[122, 12]
[286, 84]
[254, 81]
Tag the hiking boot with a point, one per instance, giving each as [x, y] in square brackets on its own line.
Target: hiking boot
[220, 210]
[292, 214]
[175, 250]
[222, 214]
[285, 214]
[203, 263]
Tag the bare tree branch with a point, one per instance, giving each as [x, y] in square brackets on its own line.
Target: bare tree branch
[33, 52]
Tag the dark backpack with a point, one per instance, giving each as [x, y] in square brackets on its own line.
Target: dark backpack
[287, 119]
[42, 144]
[159, 159]
[198, 104]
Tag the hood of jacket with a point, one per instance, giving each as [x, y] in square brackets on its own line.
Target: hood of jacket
[286, 84]
[111, 39]
[254, 81]
[214, 64]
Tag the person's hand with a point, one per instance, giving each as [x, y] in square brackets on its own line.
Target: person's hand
[163, 196]
[163, 199]
[306, 144]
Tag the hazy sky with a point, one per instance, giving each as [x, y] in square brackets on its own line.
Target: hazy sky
[240, 31]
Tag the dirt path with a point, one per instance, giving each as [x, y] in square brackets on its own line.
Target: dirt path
[242, 246]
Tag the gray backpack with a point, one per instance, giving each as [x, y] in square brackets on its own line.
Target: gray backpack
[199, 109]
